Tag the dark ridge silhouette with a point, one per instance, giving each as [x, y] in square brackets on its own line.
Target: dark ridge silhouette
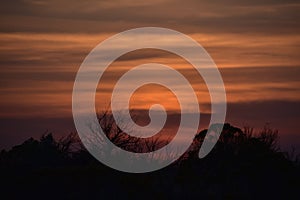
[242, 165]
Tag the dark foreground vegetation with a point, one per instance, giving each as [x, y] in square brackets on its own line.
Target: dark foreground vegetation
[242, 165]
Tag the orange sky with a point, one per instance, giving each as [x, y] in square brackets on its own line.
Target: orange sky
[255, 44]
[39, 69]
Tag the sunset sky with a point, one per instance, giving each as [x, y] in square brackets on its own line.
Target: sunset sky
[255, 45]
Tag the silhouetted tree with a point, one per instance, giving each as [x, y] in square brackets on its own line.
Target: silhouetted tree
[243, 164]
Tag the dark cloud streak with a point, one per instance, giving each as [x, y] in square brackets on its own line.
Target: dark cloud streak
[271, 17]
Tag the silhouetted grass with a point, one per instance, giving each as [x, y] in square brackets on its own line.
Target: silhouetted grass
[243, 165]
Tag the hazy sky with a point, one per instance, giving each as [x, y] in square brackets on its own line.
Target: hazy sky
[255, 44]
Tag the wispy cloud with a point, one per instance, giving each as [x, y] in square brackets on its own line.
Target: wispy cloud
[271, 17]
[255, 44]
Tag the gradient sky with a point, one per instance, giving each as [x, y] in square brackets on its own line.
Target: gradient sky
[255, 44]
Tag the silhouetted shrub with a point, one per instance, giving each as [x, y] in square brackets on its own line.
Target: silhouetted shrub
[243, 164]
